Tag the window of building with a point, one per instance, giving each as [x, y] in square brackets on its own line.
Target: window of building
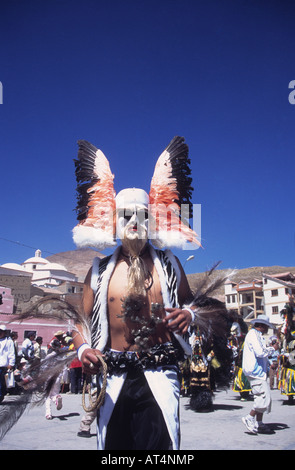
[248, 298]
[274, 292]
[275, 309]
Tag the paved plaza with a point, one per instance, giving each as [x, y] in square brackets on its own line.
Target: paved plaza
[221, 429]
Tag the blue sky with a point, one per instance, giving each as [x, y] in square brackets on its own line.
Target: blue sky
[129, 75]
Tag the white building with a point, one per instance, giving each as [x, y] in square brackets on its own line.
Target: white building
[44, 274]
[15, 277]
[277, 288]
[267, 296]
[245, 297]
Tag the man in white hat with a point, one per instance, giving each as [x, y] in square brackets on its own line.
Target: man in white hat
[7, 358]
[255, 360]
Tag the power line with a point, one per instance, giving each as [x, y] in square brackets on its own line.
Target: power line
[31, 247]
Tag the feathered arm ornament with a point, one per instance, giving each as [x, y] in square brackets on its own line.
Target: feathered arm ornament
[211, 315]
[40, 376]
[95, 199]
[170, 192]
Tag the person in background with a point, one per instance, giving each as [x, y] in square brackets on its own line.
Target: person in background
[14, 337]
[56, 343]
[54, 347]
[7, 359]
[28, 346]
[273, 362]
[87, 419]
[76, 376]
[255, 364]
[38, 348]
[241, 384]
[67, 345]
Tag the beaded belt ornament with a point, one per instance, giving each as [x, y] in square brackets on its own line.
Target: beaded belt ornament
[162, 355]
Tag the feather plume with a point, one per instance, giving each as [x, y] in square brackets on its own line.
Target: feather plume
[40, 376]
[38, 380]
[11, 411]
[212, 317]
[52, 306]
[171, 189]
[95, 199]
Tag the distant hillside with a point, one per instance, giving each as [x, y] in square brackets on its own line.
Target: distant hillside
[79, 262]
[246, 274]
[76, 261]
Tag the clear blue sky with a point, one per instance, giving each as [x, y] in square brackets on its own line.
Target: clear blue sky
[130, 75]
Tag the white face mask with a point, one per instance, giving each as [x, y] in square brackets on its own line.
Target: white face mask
[132, 223]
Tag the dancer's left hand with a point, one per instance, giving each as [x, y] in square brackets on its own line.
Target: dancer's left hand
[177, 320]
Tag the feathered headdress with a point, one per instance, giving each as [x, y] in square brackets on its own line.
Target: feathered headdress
[170, 197]
[170, 193]
[95, 199]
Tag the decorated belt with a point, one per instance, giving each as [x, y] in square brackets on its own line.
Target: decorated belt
[161, 355]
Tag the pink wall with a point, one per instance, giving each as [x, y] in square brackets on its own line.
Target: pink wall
[42, 327]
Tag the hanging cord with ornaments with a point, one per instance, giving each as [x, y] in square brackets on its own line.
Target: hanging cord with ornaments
[99, 400]
[133, 303]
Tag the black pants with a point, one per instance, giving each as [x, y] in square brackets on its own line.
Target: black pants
[76, 379]
[3, 389]
[137, 421]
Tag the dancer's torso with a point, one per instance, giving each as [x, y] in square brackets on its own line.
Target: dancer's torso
[120, 337]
